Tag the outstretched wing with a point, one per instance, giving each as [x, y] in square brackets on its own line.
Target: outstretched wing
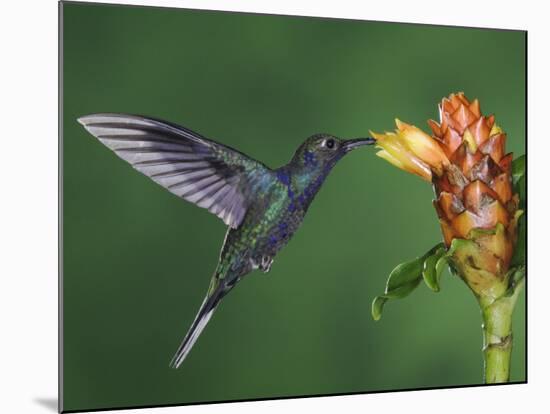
[206, 173]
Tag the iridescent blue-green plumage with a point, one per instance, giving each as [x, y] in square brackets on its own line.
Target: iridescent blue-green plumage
[262, 207]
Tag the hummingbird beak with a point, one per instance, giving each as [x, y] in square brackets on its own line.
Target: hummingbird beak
[351, 144]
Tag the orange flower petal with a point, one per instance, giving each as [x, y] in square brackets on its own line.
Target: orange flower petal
[503, 187]
[478, 194]
[448, 232]
[494, 146]
[463, 99]
[484, 170]
[464, 159]
[465, 222]
[449, 105]
[495, 213]
[438, 210]
[390, 158]
[426, 149]
[458, 99]
[436, 129]
[452, 141]
[474, 108]
[422, 145]
[495, 130]
[480, 130]
[449, 204]
[513, 204]
[468, 138]
[420, 169]
[396, 152]
[463, 117]
[487, 218]
[447, 121]
[442, 184]
[506, 163]
[456, 178]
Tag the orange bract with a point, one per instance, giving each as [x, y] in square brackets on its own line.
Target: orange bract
[466, 161]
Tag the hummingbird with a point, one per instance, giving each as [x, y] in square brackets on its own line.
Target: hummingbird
[262, 207]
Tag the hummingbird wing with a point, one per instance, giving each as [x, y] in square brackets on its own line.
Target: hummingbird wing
[206, 173]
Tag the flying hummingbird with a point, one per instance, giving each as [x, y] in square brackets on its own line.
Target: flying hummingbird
[263, 207]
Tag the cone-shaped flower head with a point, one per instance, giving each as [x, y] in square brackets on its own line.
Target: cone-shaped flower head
[465, 160]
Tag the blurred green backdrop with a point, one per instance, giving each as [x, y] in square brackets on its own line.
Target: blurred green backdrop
[137, 260]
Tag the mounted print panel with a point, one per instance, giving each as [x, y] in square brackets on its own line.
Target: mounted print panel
[233, 227]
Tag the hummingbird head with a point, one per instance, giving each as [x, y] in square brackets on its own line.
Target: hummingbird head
[313, 161]
[324, 150]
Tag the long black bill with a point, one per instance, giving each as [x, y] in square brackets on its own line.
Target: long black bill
[351, 144]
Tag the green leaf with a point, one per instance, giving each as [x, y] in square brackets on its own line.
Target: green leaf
[441, 264]
[521, 191]
[518, 168]
[403, 279]
[520, 187]
[398, 293]
[402, 290]
[432, 272]
[404, 273]
[462, 246]
[516, 276]
[518, 259]
[377, 306]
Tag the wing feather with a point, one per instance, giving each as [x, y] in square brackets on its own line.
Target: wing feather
[211, 175]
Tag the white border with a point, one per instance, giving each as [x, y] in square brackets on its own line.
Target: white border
[28, 208]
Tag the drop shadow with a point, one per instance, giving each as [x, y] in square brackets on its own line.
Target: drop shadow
[49, 403]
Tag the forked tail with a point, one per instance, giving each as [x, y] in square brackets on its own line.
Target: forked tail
[203, 316]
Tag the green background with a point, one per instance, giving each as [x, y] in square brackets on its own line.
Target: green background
[137, 260]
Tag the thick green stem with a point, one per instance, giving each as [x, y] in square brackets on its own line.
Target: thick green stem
[497, 342]
[497, 336]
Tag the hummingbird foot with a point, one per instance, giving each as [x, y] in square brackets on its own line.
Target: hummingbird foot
[265, 263]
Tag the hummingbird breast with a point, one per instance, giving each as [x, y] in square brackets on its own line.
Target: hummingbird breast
[269, 224]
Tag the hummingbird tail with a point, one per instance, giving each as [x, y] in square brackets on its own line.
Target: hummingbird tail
[203, 316]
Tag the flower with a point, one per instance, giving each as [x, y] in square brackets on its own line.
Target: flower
[412, 150]
[466, 162]
[477, 199]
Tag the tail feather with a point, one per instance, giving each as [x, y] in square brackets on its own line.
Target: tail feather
[201, 320]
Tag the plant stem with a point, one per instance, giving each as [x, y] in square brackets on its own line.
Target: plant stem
[497, 342]
[497, 336]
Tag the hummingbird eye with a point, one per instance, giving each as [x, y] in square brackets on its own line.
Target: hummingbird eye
[329, 143]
